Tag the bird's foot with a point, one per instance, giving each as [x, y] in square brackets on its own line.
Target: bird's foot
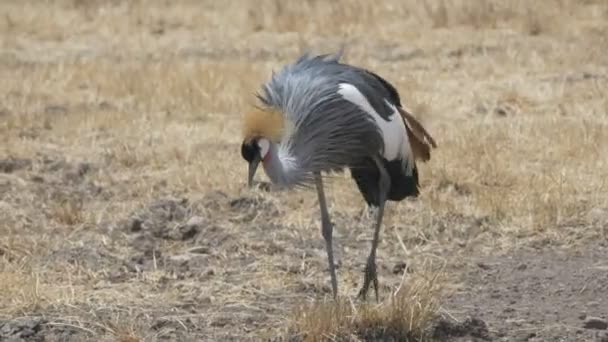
[370, 278]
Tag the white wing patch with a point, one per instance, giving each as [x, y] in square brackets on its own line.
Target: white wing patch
[394, 134]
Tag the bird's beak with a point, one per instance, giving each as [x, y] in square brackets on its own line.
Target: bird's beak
[253, 166]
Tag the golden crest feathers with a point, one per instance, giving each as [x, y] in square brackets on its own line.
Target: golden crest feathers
[263, 122]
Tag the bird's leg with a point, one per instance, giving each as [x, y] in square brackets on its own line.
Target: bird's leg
[370, 268]
[326, 230]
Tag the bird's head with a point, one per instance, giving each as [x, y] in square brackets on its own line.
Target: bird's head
[253, 151]
[261, 127]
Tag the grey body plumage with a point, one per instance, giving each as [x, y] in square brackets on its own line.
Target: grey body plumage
[338, 116]
[329, 132]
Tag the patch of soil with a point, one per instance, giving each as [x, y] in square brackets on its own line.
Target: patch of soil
[165, 219]
[183, 266]
[94, 324]
[58, 180]
[171, 219]
[470, 329]
[89, 257]
[92, 256]
[247, 208]
[179, 220]
[535, 295]
[215, 200]
[37, 329]
[12, 164]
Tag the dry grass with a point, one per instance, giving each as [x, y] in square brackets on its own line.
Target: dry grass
[115, 105]
[404, 316]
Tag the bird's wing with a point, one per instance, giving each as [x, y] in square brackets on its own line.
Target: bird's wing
[420, 140]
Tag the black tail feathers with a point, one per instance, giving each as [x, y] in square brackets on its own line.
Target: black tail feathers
[367, 177]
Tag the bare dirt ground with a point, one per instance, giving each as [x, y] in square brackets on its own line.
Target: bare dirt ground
[123, 209]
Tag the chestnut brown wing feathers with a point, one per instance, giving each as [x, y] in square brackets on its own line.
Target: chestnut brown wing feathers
[420, 140]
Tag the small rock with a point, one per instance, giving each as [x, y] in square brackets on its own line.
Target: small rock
[37, 179]
[13, 164]
[118, 276]
[195, 221]
[187, 231]
[456, 53]
[264, 186]
[582, 315]
[160, 323]
[158, 31]
[496, 294]
[199, 250]
[445, 330]
[24, 330]
[105, 105]
[597, 215]
[180, 258]
[83, 168]
[135, 225]
[522, 267]
[152, 254]
[481, 108]
[242, 202]
[483, 266]
[399, 268]
[221, 322]
[55, 109]
[595, 323]
[500, 111]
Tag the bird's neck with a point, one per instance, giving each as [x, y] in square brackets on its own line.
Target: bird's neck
[280, 166]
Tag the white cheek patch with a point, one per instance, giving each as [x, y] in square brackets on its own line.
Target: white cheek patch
[264, 147]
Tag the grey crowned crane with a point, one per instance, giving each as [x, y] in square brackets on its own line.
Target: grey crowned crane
[319, 115]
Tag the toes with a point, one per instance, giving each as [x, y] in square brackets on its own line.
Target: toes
[370, 276]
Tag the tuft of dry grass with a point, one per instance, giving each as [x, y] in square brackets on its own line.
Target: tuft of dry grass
[68, 211]
[405, 316]
[21, 290]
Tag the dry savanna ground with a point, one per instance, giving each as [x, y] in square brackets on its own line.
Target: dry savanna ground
[123, 209]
